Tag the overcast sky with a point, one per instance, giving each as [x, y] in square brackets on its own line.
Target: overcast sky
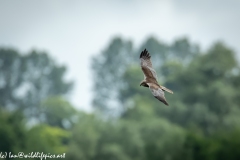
[74, 30]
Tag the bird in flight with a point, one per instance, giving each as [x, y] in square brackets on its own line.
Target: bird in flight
[150, 78]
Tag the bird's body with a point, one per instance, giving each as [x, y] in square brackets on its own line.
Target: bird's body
[150, 78]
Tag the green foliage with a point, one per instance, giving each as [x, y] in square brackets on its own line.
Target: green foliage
[26, 80]
[58, 112]
[26, 84]
[125, 139]
[43, 138]
[11, 130]
[206, 88]
[219, 146]
[84, 138]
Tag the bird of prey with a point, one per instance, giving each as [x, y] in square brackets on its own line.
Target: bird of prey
[150, 78]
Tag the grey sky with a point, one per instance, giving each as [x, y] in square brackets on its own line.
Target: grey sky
[74, 30]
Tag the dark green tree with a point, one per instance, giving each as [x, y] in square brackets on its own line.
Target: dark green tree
[13, 132]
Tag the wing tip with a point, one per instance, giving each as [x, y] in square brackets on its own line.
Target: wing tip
[166, 103]
[145, 53]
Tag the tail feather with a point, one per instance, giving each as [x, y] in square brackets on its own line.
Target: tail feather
[166, 89]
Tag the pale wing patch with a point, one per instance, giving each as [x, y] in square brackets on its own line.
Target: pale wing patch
[153, 73]
[157, 92]
[144, 62]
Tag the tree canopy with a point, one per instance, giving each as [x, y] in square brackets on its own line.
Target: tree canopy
[202, 121]
[28, 79]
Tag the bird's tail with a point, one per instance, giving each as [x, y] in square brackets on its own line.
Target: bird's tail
[166, 89]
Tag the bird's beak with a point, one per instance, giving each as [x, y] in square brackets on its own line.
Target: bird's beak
[140, 84]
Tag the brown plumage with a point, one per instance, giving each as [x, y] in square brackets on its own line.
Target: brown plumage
[150, 78]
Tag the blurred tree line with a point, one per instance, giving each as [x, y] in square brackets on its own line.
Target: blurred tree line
[202, 121]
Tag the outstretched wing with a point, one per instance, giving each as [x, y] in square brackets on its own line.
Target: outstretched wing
[157, 92]
[146, 66]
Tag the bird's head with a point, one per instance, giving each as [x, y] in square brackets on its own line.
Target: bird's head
[144, 84]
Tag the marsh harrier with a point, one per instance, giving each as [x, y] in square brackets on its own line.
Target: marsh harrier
[150, 78]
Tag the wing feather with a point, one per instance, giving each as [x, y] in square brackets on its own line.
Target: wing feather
[146, 65]
[157, 92]
[145, 58]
